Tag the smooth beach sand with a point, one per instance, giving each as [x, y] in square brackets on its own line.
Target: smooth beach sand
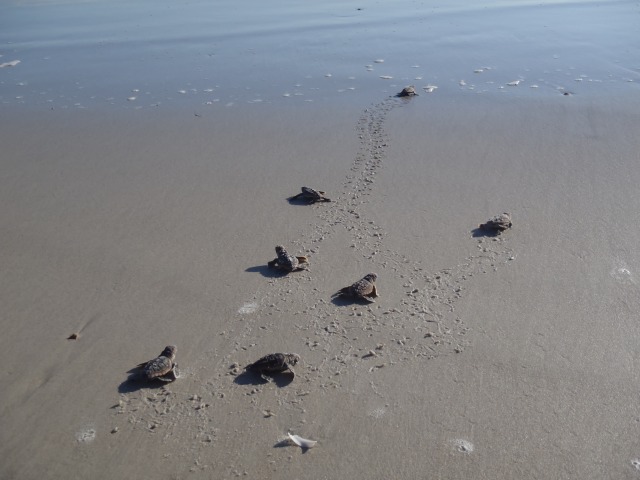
[142, 223]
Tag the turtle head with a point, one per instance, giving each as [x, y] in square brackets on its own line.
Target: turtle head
[169, 351]
[279, 249]
[292, 358]
[371, 277]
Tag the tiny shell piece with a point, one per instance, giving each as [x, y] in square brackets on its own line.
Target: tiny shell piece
[302, 442]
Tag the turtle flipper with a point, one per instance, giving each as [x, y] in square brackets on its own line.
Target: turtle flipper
[296, 197]
[303, 264]
[293, 374]
[171, 376]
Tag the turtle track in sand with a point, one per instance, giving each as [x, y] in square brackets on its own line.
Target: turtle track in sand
[357, 340]
[421, 324]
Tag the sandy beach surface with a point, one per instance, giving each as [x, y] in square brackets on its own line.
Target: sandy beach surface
[148, 152]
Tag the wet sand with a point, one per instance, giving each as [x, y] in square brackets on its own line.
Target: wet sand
[147, 222]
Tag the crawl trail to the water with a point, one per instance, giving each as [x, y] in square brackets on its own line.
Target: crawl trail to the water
[358, 339]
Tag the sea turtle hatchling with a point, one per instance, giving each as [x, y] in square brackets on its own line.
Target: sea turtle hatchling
[286, 262]
[409, 91]
[364, 288]
[498, 223]
[274, 363]
[163, 367]
[310, 195]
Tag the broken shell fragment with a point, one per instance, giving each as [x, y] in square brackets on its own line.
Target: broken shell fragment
[302, 442]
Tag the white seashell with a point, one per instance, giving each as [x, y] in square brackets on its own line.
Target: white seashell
[302, 442]
[515, 83]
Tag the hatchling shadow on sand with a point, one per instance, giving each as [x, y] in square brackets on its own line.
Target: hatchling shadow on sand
[298, 202]
[136, 381]
[252, 378]
[344, 301]
[266, 271]
[484, 232]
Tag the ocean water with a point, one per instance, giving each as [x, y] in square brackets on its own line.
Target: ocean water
[197, 54]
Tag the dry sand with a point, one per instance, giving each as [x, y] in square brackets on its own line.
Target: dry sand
[484, 357]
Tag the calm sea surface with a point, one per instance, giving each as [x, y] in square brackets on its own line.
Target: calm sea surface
[159, 54]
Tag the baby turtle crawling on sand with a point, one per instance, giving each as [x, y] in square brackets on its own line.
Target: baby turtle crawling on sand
[274, 363]
[498, 223]
[287, 262]
[364, 288]
[163, 367]
[409, 91]
[310, 195]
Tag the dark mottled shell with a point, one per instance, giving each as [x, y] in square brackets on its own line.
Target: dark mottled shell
[274, 363]
[364, 287]
[162, 364]
[286, 261]
[409, 91]
[499, 222]
[312, 193]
